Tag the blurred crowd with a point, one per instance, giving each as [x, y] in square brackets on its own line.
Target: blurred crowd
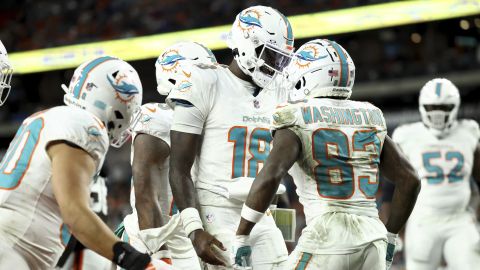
[28, 24]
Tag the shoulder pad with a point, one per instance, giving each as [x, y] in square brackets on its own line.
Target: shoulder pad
[194, 86]
[404, 132]
[286, 115]
[472, 127]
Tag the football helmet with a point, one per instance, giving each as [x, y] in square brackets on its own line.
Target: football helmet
[320, 68]
[171, 65]
[438, 103]
[6, 72]
[110, 89]
[261, 39]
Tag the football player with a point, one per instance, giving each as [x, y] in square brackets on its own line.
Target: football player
[46, 171]
[6, 72]
[446, 153]
[221, 123]
[340, 145]
[151, 197]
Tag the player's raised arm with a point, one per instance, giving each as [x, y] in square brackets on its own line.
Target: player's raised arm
[149, 154]
[396, 168]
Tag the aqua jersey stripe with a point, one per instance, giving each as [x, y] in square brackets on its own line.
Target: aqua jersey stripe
[289, 29]
[438, 89]
[303, 262]
[343, 64]
[86, 70]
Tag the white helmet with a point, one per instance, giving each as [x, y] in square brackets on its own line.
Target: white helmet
[170, 65]
[261, 39]
[110, 89]
[320, 68]
[438, 103]
[6, 72]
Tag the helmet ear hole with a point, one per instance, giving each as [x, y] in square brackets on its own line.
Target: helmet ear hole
[118, 115]
[298, 85]
[110, 125]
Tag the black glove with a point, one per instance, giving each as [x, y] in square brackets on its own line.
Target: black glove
[125, 256]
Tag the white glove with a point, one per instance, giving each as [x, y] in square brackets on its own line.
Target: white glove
[391, 242]
[242, 252]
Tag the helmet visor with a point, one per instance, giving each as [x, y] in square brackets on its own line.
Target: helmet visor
[438, 115]
[272, 59]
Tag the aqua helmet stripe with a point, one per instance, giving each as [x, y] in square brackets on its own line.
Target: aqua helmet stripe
[289, 29]
[344, 72]
[86, 70]
[438, 89]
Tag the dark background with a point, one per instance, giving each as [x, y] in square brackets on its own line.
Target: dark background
[392, 64]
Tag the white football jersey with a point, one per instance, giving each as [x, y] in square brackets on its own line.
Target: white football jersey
[341, 145]
[156, 120]
[236, 137]
[444, 165]
[30, 219]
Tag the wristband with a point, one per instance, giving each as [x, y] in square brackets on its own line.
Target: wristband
[191, 220]
[125, 256]
[392, 238]
[251, 215]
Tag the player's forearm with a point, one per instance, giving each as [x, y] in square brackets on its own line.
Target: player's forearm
[149, 213]
[182, 155]
[260, 196]
[183, 189]
[404, 198]
[146, 203]
[90, 230]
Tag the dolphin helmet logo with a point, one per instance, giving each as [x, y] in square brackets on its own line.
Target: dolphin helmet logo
[249, 19]
[124, 90]
[307, 55]
[184, 86]
[169, 60]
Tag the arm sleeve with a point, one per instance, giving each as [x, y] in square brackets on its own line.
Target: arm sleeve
[188, 119]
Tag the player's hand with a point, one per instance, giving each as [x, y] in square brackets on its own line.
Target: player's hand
[207, 247]
[243, 252]
[391, 242]
[156, 264]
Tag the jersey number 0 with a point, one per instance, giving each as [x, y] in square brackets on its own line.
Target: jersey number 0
[17, 159]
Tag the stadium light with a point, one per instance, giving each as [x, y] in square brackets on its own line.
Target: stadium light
[304, 26]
